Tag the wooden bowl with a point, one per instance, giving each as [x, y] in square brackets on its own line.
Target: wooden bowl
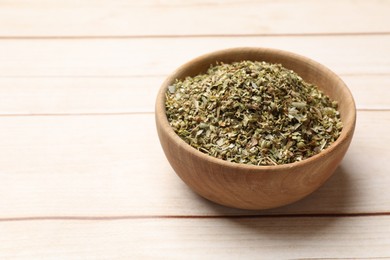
[247, 186]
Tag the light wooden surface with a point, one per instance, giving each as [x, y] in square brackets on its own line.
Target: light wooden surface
[83, 175]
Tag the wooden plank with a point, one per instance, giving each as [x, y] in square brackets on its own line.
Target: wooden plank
[196, 17]
[146, 57]
[78, 95]
[132, 94]
[257, 238]
[369, 91]
[114, 166]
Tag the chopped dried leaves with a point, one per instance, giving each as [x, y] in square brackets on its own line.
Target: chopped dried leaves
[252, 112]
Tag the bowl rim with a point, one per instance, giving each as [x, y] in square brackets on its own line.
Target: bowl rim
[160, 112]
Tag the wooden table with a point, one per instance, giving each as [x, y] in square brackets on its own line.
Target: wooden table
[82, 172]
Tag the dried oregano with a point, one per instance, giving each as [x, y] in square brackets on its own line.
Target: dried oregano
[252, 112]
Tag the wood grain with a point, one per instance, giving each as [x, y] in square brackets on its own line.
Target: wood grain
[253, 238]
[145, 57]
[23, 18]
[82, 173]
[105, 95]
[55, 166]
[78, 95]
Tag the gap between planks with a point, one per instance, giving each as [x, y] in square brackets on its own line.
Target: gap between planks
[118, 37]
[85, 114]
[129, 217]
